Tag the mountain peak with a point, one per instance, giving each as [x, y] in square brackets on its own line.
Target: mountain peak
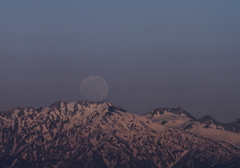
[237, 121]
[58, 103]
[99, 134]
[170, 117]
[207, 119]
[177, 111]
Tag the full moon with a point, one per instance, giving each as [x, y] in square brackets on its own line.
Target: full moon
[94, 88]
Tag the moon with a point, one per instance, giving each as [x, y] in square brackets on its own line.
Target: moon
[94, 88]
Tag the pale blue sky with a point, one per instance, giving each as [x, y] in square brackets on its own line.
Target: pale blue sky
[151, 53]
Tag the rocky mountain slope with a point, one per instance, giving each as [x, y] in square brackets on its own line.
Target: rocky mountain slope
[206, 126]
[99, 134]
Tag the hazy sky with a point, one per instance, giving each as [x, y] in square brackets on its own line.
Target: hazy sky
[151, 53]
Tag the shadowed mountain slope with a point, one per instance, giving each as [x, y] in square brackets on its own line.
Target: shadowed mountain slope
[99, 134]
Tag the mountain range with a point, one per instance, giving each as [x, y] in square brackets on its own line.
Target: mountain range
[85, 134]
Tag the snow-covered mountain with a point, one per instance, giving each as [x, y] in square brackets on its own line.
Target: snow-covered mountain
[206, 126]
[99, 135]
[171, 117]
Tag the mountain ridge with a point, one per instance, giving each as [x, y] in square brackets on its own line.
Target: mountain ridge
[207, 126]
[99, 134]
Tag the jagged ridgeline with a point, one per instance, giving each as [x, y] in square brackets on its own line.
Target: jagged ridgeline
[87, 134]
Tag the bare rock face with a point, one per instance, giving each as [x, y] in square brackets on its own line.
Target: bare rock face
[99, 134]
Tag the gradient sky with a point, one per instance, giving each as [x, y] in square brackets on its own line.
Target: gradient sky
[151, 53]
